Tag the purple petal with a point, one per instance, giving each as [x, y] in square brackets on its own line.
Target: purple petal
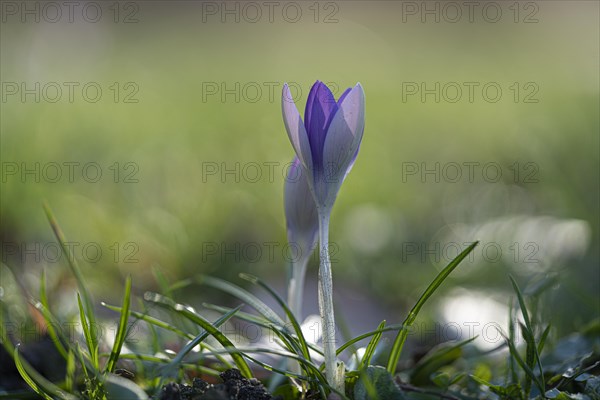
[309, 101]
[352, 161]
[295, 128]
[344, 135]
[343, 96]
[320, 109]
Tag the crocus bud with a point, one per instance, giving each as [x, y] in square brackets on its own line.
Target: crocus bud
[328, 140]
[300, 212]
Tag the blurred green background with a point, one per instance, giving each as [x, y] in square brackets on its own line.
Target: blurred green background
[188, 93]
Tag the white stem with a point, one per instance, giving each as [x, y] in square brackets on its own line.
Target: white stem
[326, 303]
[296, 287]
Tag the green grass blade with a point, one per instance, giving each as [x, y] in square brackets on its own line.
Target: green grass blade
[155, 322]
[75, 270]
[259, 321]
[122, 330]
[180, 284]
[412, 315]
[203, 323]
[37, 382]
[58, 337]
[309, 365]
[288, 312]
[255, 319]
[271, 368]
[27, 378]
[522, 364]
[245, 296]
[152, 321]
[319, 385]
[70, 371]
[203, 335]
[287, 340]
[357, 339]
[370, 350]
[529, 356]
[512, 393]
[48, 317]
[82, 361]
[511, 338]
[522, 304]
[437, 358]
[532, 355]
[224, 362]
[90, 340]
[543, 338]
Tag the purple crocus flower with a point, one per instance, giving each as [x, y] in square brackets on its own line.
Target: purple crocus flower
[326, 145]
[327, 142]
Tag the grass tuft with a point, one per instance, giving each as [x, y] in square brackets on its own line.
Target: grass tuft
[412, 315]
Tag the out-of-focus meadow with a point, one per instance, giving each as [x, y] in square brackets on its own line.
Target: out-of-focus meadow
[475, 130]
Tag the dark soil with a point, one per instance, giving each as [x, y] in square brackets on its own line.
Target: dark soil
[234, 387]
